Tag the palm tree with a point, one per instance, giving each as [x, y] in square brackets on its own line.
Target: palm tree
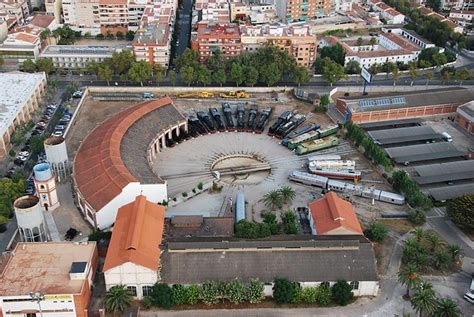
[424, 300]
[118, 298]
[443, 260]
[287, 194]
[447, 308]
[419, 233]
[409, 276]
[456, 252]
[434, 240]
[273, 199]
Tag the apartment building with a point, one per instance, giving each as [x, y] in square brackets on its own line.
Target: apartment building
[211, 37]
[211, 11]
[82, 15]
[297, 40]
[386, 12]
[262, 14]
[428, 12]
[302, 10]
[113, 16]
[15, 8]
[55, 9]
[21, 44]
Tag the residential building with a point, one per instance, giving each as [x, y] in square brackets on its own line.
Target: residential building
[19, 98]
[395, 106]
[55, 9]
[297, 40]
[62, 272]
[111, 169]
[389, 14]
[262, 14]
[43, 22]
[332, 215]
[82, 15]
[17, 9]
[113, 16]
[302, 10]
[3, 30]
[344, 6]
[309, 260]
[462, 17]
[21, 44]
[211, 11]
[211, 37]
[465, 116]
[133, 256]
[425, 11]
[77, 56]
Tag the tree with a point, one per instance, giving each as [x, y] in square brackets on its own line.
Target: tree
[373, 40]
[3, 223]
[162, 295]
[172, 77]
[300, 75]
[460, 211]
[122, 61]
[442, 260]
[188, 58]
[290, 225]
[359, 41]
[271, 220]
[92, 67]
[219, 77]
[273, 199]
[353, 67]
[434, 4]
[37, 144]
[332, 71]
[287, 194]
[140, 72]
[45, 65]
[159, 72]
[413, 73]
[376, 232]
[119, 35]
[65, 35]
[187, 74]
[251, 76]
[324, 101]
[342, 292]
[419, 233]
[105, 73]
[463, 74]
[417, 217]
[456, 252]
[447, 308]
[203, 75]
[336, 53]
[409, 276]
[424, 301]
[130, 35]
[193, 294]
[395, 75]
[117, 299]
[282, 291]
[28, 66]
[237, 73]
[323, 294]
[270, 74]
[439, 59]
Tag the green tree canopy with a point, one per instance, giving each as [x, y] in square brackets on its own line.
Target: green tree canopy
[188, 75]
[460, 210]
[122, 61]
[117, 299]
[282, 291]
[332, 72]
[28, 66]
[161, 295]
[45, 65]
[342, 292]
[140, 72]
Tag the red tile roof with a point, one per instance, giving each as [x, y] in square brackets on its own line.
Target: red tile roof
[43, 21]
[99, 171]
[137, 235]
[333, 214]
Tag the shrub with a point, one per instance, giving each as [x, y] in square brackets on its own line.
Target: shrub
[342, 293]
[162, 295]
[376, 232]
[323, 295]
[209, 293]
[290, 225]
[180, 294]
[254, 291]
[309, 295]
[236, 292]
[200, 186]
[174, 199]
[324, 100]
[417, 217]
[192, 294]
[251, 230]
[184, 194]
[271, 220]
[460, 210]
[3, 223]
[11, 153]
[194, 190]
[147, 302]
[297, 293]
[282, 291]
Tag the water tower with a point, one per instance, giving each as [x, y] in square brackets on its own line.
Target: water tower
[29, 216]
[56, 156]
[45, 186]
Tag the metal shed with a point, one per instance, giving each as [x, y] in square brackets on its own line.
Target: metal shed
[444, 172]
[404, 135]
[450, 192]
[381, 125]
[423, 152]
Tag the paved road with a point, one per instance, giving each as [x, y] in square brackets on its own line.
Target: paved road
[184, 23]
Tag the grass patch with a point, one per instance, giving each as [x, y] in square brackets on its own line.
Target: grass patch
[401, 226]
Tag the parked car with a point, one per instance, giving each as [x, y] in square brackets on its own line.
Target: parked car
[24, 153]
[60, 127]
[18, 162]
[66, 118]
[77, 94]
[40, 124]
[57, 133]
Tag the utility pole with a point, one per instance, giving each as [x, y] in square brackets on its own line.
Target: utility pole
[38, 297]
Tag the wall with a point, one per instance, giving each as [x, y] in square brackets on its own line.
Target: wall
[130, 274]
[63, 303]
[464, 123]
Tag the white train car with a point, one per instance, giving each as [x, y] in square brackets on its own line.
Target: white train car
[327, 157]
[346, 165]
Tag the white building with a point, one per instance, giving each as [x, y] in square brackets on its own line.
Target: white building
[386, 12]
[133, 256]
[21, 44]
[19, 98]
[15, 8]
[45, 186]
[77, 56]
[61, 273]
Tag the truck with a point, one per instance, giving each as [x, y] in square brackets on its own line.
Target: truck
[252, 117]
[282, 119]
[263, 119]
[316, 145]
[227, 111]
[234, 94]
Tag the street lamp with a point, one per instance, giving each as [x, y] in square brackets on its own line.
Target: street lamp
[38, 297]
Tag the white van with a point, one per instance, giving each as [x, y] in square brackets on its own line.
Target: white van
[447, 137]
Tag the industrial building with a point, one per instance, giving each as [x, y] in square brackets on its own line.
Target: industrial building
[77, 56]
[133, 256]
[48, 279]
[449, 192]
[19, 98]
[331, 215]
[424, 152]
[465, 116]
[113, 164]
[319, 259]
[405, 136]
[391, 124]
[401, 105]
[444, 172]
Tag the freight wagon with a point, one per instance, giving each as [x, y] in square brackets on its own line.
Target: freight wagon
[316, 145]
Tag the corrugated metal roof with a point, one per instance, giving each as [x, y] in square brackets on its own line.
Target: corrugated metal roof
[444, 172]
[387, 123]
[423, 152]
[450, 192]
[401, 135]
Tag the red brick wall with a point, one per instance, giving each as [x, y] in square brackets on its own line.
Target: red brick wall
[81, 301]
[465, 123]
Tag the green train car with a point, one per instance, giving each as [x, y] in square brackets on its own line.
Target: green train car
[316, 145]
[310, 136]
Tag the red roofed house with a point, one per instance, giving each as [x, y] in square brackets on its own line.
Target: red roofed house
[133, 257]
[332, 215]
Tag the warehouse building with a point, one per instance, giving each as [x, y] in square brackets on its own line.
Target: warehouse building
[449, 192]
[396, 106]
[113, 164]
[424, 152]
[406, 136]
[465, 116]
[60, 273]
[320, 259]
[20, 95]
[444, 172]
[391, 124]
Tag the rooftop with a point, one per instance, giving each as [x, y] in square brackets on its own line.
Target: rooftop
[334, 215]
[16, 90]
[153, 33]
[137, 235]
[444, 172]
[42, 21]
[80, 50]
[468, 108]
[320, 258]
[402, 135]
[44, 267]
[451, 191]
[424, 152]
[276, 30]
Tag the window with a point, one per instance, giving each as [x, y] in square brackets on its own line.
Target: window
[133, 290]
[355, 284]
[146, 290]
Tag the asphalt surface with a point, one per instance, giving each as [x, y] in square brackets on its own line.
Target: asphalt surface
[184, 23]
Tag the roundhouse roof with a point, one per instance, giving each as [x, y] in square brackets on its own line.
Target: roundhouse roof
[103, 167]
